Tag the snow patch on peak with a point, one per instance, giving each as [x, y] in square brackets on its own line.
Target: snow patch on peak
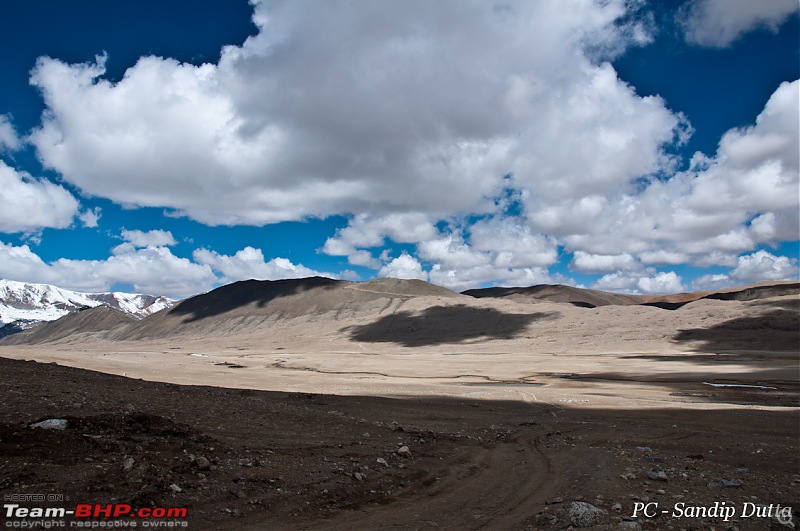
[22, 301]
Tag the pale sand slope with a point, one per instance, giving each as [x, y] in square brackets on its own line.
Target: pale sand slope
[557, 353]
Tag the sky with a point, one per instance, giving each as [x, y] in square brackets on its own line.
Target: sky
[624, 145]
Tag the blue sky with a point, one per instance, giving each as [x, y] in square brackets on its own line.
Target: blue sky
[170, 147]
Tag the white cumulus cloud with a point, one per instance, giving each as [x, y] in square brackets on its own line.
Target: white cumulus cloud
[249, 263]
[747, 194]
[370, 230]
[647, 282]
[717, 23]
[664, 282]
[8, 135]
[148, 267]
[603, 263]
[365, 108]
[137, 239]
[616, 282]
[404, 266]
[153, 270]
[21, 264]
[762, 265]
[90, 217]
[759, 266]
[153, 238]
[712, 282]
[28, 204]
[511, 243]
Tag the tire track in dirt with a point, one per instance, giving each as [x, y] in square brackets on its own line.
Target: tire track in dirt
[490, 487]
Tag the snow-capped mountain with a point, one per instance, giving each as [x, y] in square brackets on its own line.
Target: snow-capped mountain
[30, 303]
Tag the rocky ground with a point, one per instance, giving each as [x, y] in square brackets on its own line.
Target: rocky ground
[245, 459]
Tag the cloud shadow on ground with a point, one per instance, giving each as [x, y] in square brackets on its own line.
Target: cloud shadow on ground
[445, 324]
[774, 330]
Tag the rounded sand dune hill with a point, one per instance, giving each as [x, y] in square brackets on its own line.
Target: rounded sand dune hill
[587, 298]
[255, 306]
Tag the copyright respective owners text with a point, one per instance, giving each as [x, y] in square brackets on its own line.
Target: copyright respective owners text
[54, 511]
[769, 515]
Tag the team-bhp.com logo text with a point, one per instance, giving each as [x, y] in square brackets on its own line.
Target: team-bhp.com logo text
[86, 514]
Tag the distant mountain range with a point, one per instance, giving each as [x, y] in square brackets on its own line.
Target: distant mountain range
[589, 298]
[23, 305]
[253, 308]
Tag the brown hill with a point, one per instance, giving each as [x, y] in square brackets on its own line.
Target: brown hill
[249, 305]
[258, 308]
[100, 320]
[405, 288]
[589, 298]
[762, 290]
[585, 298]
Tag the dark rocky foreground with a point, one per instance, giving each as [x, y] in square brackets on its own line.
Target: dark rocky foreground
[241, 459]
